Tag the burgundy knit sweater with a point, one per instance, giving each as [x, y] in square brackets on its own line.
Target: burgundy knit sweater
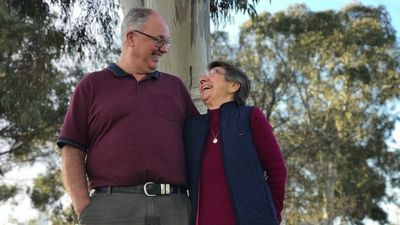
[215, 204]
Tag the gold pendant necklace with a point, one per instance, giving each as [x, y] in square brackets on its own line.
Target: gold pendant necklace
[215, 140]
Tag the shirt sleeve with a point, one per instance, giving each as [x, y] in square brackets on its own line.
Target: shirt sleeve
[270, 156]
[74, 130]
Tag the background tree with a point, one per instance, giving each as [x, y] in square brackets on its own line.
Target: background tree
[33, 91]
[34, 88]
[325, 80]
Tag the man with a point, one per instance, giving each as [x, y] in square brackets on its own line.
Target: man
[123, 133]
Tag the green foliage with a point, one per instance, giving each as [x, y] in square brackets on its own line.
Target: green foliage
[7, 192]
[220, 10]
[324, 79]
[93, 32]
[45, 196]
[34, 90]
[62, 216]
[46, 190]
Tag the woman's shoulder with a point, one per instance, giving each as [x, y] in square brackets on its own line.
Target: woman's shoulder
[256, 110]
[252, 110]
[257, 115]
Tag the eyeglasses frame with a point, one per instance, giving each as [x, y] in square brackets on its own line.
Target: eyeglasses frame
[214, 71]
[159, 41]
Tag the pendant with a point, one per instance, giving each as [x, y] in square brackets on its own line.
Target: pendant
[215, 140]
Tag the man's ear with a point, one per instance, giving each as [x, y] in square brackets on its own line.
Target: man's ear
[233, 87]
[129, 38]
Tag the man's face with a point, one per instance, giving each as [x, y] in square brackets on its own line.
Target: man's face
[151, 42]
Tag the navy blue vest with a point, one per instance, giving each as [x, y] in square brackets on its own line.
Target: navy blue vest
[251, 197]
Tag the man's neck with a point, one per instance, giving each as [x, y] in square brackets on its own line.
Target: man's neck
[124, 66]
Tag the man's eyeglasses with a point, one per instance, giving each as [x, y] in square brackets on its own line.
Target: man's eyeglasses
[159, 41]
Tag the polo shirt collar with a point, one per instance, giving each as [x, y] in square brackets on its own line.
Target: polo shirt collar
[119, 72]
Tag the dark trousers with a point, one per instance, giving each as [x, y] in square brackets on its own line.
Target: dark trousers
[137, 209]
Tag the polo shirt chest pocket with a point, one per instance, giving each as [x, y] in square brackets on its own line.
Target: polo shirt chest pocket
[169, 106]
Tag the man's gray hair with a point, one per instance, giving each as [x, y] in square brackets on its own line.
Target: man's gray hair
[134, 19]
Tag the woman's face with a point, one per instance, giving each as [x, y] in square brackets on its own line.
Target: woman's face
[215, 89]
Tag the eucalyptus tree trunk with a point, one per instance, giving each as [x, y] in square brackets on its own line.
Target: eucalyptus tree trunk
[329, 194]
[189, 25]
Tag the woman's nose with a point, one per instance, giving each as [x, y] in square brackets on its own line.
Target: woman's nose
[204, 78]
[201, 80]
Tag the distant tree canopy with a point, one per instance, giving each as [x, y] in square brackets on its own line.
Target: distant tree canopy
[325, 80]
[34, 92]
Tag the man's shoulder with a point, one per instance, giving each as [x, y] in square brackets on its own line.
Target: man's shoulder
[94, 75]
[97, 73]
[93, 78]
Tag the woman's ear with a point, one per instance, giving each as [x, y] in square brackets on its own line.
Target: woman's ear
[233, 87]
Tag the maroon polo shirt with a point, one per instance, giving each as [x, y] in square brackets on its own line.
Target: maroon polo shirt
[130, 130]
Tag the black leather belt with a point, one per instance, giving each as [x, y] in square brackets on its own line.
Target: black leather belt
[149, 189]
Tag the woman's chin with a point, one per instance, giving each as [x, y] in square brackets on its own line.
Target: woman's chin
[205, 98]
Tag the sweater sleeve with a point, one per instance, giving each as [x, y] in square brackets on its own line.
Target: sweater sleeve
[270, 156]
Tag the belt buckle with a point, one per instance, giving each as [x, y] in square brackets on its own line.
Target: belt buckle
[145, 189]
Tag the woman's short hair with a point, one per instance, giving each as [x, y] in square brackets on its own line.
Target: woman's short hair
[236, 75]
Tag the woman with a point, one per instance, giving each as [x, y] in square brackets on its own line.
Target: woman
[228, 152]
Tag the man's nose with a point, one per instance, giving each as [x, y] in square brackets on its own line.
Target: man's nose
[164, 48]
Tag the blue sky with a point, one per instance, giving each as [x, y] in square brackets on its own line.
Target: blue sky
[392, 6]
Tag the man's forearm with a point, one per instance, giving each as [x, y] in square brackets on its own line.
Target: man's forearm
[74, 177]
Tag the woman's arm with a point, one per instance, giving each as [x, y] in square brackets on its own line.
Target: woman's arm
[270, 156]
